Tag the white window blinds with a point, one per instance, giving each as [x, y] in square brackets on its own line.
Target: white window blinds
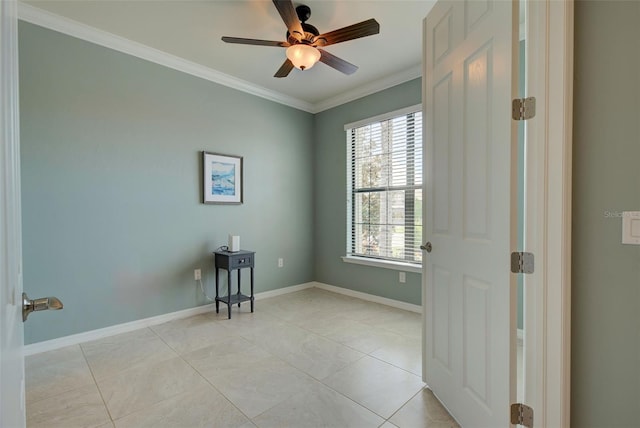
[385, 187]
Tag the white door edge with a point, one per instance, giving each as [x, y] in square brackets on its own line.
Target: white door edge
[12, 399]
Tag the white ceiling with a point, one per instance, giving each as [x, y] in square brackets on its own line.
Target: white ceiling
[191, 30]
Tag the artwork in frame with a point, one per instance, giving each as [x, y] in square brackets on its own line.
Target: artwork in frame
[222, 178]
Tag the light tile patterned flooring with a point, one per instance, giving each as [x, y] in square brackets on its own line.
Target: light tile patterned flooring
[306, 359]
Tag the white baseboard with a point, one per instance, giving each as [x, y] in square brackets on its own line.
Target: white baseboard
[75, 339]
[285, 290]
[369, 297]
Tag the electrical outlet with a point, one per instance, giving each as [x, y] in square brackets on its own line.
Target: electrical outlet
[197, 274]
[280, 262]
[402, 277]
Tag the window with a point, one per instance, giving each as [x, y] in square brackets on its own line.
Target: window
[384, 189]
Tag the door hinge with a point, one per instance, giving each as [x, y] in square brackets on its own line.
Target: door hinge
[522, 262]
[521, 414]
[523, 108]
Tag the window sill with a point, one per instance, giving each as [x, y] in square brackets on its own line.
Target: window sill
[385, 264]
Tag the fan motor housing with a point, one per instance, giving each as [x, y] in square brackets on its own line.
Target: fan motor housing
[310, 32]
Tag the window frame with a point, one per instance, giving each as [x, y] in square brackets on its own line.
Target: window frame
[363, 259]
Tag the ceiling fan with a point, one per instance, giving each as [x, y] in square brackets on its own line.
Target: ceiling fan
[304, 41]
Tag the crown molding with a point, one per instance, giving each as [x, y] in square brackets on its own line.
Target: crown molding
[52, 21]
[370, 88]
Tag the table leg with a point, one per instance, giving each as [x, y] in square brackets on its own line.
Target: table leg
[239, 287]
[251, 289]
[229, 292]
[217, 301]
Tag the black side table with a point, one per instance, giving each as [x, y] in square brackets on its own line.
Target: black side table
[233, 261]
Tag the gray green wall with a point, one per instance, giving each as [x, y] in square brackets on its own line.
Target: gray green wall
[606, 178]
[330, 193]
[112, 222]
[112, 219]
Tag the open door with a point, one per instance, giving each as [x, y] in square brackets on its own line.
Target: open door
[469, 300]
[12, 409]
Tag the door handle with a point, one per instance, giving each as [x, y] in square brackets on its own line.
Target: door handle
[42, 304]
[427, 247]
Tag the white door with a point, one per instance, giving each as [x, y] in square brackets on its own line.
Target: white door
[12, 412]
[470, 215]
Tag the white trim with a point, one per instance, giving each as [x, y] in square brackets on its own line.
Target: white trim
[548, 199]
[52, 21]
[558, 214]
[75, 339]
[368, 89]
[370, 297]
[385, 264]
[282, 291]
[384, 116]
[82, 31]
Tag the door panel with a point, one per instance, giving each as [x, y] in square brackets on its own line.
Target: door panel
[470, 324]
[476, 337]
[477, 145]
[441, 317]
[475, 11]
[442, 142]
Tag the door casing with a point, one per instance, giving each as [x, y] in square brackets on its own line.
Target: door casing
[548, 199]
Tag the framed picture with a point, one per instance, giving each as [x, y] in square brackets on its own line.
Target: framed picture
[222, 178]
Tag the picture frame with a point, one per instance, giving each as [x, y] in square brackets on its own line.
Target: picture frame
[222, 179]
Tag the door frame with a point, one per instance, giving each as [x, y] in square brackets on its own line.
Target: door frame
[548, 226]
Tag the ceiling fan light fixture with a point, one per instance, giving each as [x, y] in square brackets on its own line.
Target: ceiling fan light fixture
[303, 56]
[304, 43]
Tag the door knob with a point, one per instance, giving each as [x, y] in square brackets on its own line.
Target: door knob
[42, 304]
[427, 247]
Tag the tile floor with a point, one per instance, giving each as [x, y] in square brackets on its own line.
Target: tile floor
[306, 359]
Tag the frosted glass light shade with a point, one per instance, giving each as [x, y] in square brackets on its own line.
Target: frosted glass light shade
[303, 56]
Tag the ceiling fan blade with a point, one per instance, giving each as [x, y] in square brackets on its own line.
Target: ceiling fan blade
[284, 69]
[257, 42]
[290, 18]
[355, 31]
[337, 63]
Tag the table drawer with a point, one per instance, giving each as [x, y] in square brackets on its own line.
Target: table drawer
[246, 260]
